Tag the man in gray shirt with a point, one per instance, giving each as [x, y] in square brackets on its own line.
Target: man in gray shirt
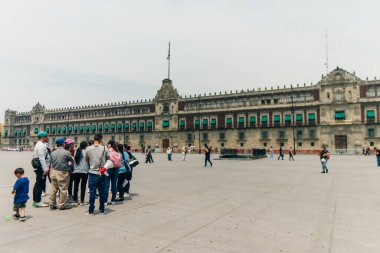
[62, 161]
[96, 156]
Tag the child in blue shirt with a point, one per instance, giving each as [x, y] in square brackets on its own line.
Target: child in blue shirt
[21, 190]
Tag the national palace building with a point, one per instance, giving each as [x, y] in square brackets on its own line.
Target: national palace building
[341, 111]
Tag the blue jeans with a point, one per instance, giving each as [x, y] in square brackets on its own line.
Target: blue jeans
[96, 182]
[112, 178]
[378, 160]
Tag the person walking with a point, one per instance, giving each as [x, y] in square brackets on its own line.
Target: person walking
[324, 157]
[271, 155]
[96, 156]
[113, 173]
[184, 153]
[207, 155]
[80, 174]
[169, 152]
[377, 152]
[41, 169]
[148, 155]
[291, 157]
[60, 175]
[280, 154]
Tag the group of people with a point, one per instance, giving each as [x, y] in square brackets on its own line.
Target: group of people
[103, 167]
[281, 154]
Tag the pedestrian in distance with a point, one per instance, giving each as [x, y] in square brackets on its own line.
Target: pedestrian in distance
[169, 152]
[324, 157]
[291, 157]
[20, 190]
[271, 155]
[280, 154]
[60, 175]
[207, 151]
[377, 152]
[40, 155]
[113, 173]
[148, 155]
[184, 153]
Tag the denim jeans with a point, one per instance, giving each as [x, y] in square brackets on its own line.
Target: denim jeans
[96, 182]
[111, 180]
[378, 160]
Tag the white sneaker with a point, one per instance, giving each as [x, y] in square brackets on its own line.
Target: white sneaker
[43, 194]
[41, 204]
[105, 204]
[126, 195]
[113, 203]
[103, 213]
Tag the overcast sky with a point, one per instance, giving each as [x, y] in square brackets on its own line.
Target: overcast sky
[67, 53]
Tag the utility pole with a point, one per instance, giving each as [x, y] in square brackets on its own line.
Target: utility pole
[168, 58]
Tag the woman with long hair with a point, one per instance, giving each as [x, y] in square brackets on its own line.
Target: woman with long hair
[80, 174]
[113, 173]
[124, 172]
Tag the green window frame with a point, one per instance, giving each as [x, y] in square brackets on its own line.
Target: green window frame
[288, 118]
[311, 116]
[205, 122]
[277, 118]
[165, 123]
[182, 123]
[93, 128]
[134, 125]
[370, 114]
[81, 128]
[196, 122]
[252, 119]
[106, 127]
[100, 127]
[75, 129]
[149, 124]
[70, 129]
[87, 128]
[213, 122]
[112, 126]
[340, 115]
[6, 132]
[58, 130]
[53, 130]
[63, 129]
[141, 124]
[299, 117]
[241, 120]
[264, 119]
[119, 126]
[126, 125]
[229, 121]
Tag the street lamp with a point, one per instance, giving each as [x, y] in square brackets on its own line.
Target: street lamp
[293, 121]
[199, 125]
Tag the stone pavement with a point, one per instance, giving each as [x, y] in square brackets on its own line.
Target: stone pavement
[235, 206]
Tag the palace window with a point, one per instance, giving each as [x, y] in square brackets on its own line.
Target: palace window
[241, 136]
[299, 134]
[288, 120]
[277, 120]
[165, 123]
[264, 135]
[205, 136]
[189, 137]
[229, 122]
[264, 121]
[371, 133]
[252, 121]
[311, 118]
[150, 125]
[312, 134]
[241, 121]
[299, 119]
[281, 134]
[370, 115]
[371, 92]
[340, 115]
[222, 136]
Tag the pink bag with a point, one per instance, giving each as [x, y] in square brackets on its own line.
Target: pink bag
[115, 157]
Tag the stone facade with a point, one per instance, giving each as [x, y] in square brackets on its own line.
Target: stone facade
[340, 111]
[1, 134]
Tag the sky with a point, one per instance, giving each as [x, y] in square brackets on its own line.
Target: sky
[79, 52]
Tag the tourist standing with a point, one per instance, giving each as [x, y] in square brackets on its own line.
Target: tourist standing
[80, 174]
[324, 157]
[113, 173]
[280, 154]
[70, 146]
[96, 156]
[21, 190]
[271, 155]
[291, 157]
[148, 155]
[169, 152]
[377, 152]
[40, 168]
[124, 170]
[208, 155]
[133, 162]
[60, 176]
[48, 162]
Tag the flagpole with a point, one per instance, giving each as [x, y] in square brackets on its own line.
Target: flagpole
[169, 62]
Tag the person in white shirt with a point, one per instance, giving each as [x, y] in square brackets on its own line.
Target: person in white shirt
[41, 168]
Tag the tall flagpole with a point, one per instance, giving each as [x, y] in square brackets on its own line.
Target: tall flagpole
[168, 58]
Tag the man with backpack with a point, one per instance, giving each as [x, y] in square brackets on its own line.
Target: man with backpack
[96, 156]
[40, 154]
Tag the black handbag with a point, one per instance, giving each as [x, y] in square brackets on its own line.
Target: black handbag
[36, 164]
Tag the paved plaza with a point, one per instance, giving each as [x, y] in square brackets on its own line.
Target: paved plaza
[235, 206]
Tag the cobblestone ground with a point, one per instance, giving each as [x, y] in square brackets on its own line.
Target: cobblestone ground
[235, 206]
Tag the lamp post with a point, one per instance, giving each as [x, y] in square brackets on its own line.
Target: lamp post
[293, 121]
[199, 125]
